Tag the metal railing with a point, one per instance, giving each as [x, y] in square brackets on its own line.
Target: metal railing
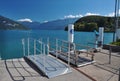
[69, 50]
[61, 47]
[34, 47]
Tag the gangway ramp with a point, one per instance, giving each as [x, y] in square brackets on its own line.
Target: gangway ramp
[38, 53]
[49, 65]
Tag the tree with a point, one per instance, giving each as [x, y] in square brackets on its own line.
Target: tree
[91, 26]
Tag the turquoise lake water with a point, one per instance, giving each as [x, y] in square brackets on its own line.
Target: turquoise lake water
[11, 40]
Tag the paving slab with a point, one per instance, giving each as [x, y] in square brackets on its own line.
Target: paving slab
[23, 70]
[20, 70]
[101, 70]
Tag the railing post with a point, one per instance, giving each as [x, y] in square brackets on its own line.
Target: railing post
[60, 49]
[47, 49]
[68, 53]
[75, 52]
[0, 56]
[56, 48]
[34, 47]
[119, 75]
[48, 40]
[41, 46]
[48, 45]
[28, 47]
[44, 56]
[23, 43]
[110, 50]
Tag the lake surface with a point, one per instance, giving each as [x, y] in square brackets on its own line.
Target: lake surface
[11, 40]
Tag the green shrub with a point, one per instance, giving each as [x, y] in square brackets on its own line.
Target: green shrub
[116, 43]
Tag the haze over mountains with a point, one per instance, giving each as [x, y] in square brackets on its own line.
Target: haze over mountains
[59, 24]
[86, 23]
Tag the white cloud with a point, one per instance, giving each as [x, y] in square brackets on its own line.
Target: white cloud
[87, 14]
[73, 16]
[79, 15]
[25, 20]
[45, 21]
[112, 14]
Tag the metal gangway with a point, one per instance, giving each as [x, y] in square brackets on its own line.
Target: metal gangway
[75, 54]
[37, 52]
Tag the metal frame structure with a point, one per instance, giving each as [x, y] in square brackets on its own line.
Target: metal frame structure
[38, 54]
[70, 52]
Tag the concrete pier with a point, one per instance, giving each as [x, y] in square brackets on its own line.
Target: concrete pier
[101, 70]
[21, 70]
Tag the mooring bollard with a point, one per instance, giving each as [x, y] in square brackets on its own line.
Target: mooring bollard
[110, 50]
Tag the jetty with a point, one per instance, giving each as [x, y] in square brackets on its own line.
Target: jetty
[21, 69]
[60, 60]
[50, 56]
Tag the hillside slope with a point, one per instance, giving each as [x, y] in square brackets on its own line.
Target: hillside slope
[8, 24]
[91, 23]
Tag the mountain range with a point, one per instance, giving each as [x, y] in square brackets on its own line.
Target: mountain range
[59, 24]
[87, 23]
[9, 24]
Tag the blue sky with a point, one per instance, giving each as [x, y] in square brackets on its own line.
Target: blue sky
[47, 10]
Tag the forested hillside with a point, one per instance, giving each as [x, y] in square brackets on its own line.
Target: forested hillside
[91, 23]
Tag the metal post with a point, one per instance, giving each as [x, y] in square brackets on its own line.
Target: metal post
[96, 43]
[48, 40]
[119, 75]
[0, 56]
[48, 45]
[47, 49]
[56, 48]
[69, 54]
[28, 47]
[34, 47]
[23, 43]
[44, 55]
[60, 49]
[110, 50]
[41, 46]
[116, 19]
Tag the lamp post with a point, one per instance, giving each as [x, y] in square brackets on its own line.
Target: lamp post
[116, 19]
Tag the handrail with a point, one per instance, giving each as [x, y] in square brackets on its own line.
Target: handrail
[63, 41]
[66, 54]
[83, 46]
[38, 50]
[32, 44]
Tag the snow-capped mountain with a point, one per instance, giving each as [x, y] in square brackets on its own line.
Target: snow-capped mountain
[8, 24]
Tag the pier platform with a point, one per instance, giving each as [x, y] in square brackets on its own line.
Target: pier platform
[20, 69]
[80, 61]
